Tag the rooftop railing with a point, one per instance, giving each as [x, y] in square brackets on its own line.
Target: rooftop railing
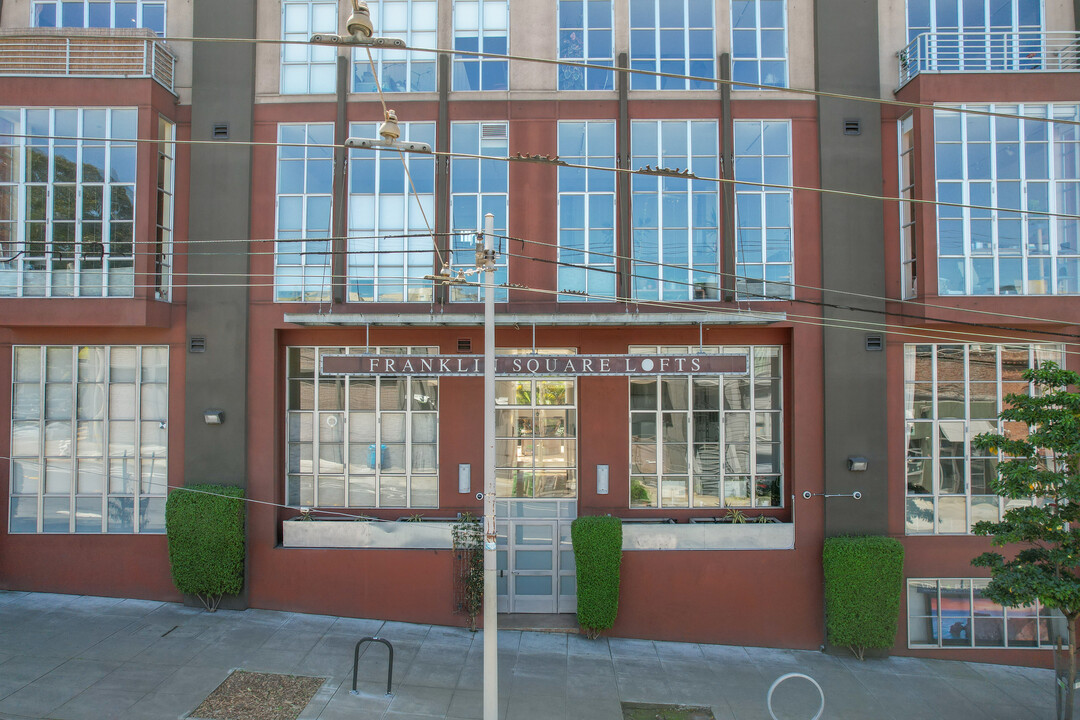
[32, 52]
[956, 52]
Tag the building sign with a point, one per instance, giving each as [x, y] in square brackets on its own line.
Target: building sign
[543, 365]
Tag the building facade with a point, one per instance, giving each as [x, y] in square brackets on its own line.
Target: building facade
[877, 219]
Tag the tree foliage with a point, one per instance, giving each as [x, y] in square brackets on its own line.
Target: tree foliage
[1045, 463]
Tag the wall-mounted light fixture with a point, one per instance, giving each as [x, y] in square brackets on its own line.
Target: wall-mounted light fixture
[213, 417]
[857, 464]
[464, 477]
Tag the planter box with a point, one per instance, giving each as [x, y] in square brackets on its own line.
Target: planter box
[709, 536]
[366, 534]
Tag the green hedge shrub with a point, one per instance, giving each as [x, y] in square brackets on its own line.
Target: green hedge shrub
[864, 577]
[598, 555]
[206, 541]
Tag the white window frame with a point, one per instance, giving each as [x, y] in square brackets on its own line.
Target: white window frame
[419, 32]
[700, 279]
[534, 407]
[163, 257]
[946, 47]
[376, 239]
[492, 139]
[17, 265]
[752, 412]
[589, 54]
[655, 62]
[314, 276]
[139, 7]
[778, 275]
[909, 248]
[310, 497]
[759, 57]
[919, 505]
[1040, 615]
[1063, 267]
[318, 63]
[599, 273]
[495, 24]
[141, 488]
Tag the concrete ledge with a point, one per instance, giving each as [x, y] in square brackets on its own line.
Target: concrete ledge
[366, 534]
[718, 536]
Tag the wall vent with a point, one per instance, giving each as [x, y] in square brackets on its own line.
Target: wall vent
[493, 131]
[220, 131]
[852, 127]
[464, 345]
[197, 343]
[874, 343]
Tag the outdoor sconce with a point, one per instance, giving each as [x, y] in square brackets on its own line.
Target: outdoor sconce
[857, 464]
[213, 417]
[464, 477]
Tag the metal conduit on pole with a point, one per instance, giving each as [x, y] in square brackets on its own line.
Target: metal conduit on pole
[491, 601]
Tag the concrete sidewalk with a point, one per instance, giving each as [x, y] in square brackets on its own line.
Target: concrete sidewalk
[76, 657]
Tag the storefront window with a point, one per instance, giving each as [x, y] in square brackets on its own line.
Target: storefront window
[361, 441]
[708, 441]
[951, 394]
[954, 613]
[536, 438]
[89, 439]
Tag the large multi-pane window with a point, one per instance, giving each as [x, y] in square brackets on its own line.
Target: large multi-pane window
[953, 393]
[304, 189]
[413, 21]
[163, 241]
[585, 34]
[478, 187]
[1004, 167]
[759, 42]
[481, 26]
[672, 36]
[955, 613]
[763, 215]
[361, 441]
[675, 220]
[391, 247]
[977, 35]
[708, 441]
[67, 205]
[89, 439]
[148, 14]
[308, 69]
[587, 210]
[536, 438]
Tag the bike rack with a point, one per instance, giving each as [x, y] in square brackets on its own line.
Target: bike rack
[356, 661]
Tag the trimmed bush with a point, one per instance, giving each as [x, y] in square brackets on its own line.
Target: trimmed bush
[598, 555]
[206, 541]
[863, 580]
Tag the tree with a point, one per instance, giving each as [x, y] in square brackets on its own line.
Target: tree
[1045, 463]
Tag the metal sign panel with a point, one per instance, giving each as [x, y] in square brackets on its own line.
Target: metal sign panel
[535, 365]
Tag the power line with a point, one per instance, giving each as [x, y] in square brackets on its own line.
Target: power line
[717, 273]
[556, 161]
[940, 335]
[613, 69]
[661, 281]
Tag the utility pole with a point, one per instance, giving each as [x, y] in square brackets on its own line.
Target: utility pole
[486, 262]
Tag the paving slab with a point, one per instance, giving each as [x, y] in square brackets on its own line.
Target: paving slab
[70, 657]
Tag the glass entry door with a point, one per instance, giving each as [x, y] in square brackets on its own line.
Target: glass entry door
[535, 557]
